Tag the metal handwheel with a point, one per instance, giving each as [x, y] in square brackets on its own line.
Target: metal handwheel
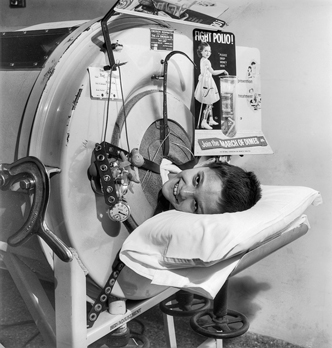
[231, 325]
[184, 304]
[140, 340]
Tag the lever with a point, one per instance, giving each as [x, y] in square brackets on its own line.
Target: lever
[32, 174]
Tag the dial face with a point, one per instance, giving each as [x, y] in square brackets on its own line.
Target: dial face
[119, 212]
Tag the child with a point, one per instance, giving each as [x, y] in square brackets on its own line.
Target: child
[206, 91]
[211, 187]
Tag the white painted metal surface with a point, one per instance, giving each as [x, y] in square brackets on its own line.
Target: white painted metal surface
[68, 123]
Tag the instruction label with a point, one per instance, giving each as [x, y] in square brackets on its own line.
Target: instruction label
[104, 84]
[161, 40]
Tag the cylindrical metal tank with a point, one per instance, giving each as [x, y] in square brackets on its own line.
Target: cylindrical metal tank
[58, 120]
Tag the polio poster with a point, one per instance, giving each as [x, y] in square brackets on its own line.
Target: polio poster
[189, 12]
[227, 96]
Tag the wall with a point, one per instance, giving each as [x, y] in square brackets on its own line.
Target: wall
[287, 295]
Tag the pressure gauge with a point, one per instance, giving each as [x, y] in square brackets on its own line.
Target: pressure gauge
[119, 212]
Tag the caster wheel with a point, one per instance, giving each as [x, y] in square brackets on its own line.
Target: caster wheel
[233, 324]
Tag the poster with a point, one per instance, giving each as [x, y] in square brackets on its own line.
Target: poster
[228, 98]
[203, 13]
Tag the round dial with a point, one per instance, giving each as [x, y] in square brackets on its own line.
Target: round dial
[119, 212]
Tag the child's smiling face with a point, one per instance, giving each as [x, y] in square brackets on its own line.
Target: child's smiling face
[206, 53]
[194, 190]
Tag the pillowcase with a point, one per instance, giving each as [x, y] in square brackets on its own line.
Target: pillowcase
[173, 239]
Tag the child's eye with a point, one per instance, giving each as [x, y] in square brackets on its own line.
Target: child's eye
[197, 180]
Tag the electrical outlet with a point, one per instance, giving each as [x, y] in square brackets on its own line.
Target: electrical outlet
[17, 3]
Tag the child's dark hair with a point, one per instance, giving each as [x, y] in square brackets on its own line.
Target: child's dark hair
[201, 47]
[240, 189]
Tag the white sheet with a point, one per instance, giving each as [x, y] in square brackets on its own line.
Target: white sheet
[198, 252]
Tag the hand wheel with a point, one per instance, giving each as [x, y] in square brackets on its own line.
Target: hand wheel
[184, 304]
[140, 340]
[233, 324]
[32, 174]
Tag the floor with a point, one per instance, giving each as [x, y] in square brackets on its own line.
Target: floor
[17, 329]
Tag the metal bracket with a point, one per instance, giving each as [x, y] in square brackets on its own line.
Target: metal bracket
[106, 35]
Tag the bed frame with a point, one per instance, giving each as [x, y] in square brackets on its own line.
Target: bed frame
[64, 325]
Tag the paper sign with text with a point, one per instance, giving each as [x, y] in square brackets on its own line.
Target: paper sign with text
[228, 99]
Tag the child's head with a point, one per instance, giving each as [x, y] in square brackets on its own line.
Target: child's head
[240, 189]
[213, 188]
[203, 45]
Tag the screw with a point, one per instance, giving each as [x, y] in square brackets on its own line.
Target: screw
[107, 177]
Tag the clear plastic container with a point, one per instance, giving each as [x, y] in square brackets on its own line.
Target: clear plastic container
[228, 107]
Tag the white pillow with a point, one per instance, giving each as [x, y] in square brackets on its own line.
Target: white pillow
[173, 239]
